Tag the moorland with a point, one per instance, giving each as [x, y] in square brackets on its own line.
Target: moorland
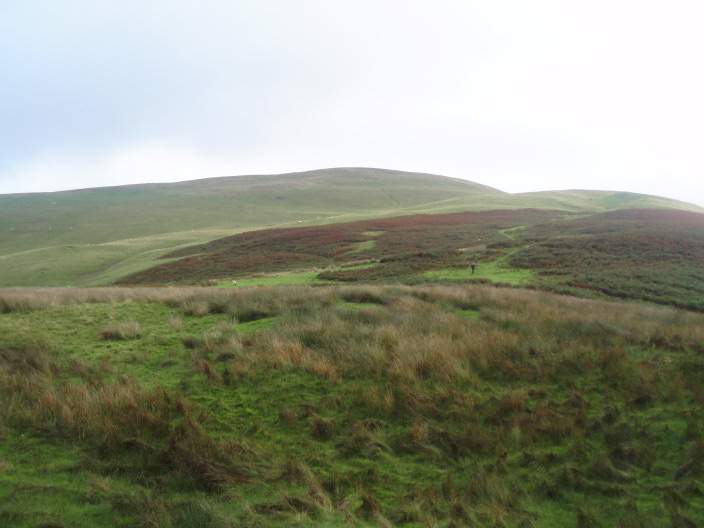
[636, 254]
[95, 237]
[361, 373]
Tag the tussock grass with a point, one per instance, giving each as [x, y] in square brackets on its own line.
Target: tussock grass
[31, 299]
[363, 404]
[121, 330]
[124, 420]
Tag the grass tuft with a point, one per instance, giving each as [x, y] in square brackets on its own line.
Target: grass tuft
[120, 331]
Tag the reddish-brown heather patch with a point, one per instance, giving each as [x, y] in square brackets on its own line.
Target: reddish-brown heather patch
[289, 248]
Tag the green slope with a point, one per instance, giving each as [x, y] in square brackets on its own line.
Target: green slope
[94, 236]
[602, 201]
[31, 221]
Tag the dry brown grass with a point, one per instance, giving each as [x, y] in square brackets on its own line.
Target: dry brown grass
[121, 417]
[120, 330]
[29, 299]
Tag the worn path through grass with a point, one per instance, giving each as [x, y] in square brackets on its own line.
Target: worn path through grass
[498, 271]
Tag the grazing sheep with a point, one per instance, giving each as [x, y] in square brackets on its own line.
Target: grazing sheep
[234, 283]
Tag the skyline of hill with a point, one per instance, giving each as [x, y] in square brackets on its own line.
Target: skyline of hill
[212, 181]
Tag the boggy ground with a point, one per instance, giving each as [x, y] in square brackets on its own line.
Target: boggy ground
[362, 405]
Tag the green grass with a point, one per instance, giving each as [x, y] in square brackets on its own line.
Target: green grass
[284, 279]
[497, 271]
[511, 232]
[490, 271]
[324, 406]
[91, 264]
[469, 314]
[364, 246]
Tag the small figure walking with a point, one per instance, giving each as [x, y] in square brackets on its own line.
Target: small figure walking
[473, 266]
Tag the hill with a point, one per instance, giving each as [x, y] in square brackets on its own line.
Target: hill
[97, 236]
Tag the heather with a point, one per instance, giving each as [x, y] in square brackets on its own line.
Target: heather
[645, 255]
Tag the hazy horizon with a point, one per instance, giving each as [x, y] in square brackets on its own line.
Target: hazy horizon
[520, 97]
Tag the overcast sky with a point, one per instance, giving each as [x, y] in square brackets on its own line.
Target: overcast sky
[518, 95]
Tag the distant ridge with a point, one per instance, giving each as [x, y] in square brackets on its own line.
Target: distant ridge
[95, 236]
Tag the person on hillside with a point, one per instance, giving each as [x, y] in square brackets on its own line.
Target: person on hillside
[473, 266]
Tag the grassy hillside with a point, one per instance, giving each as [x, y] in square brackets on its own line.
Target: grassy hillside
[601, 201]
[396, 238]
[371, 406]
[640, 254]
[96, 236]
[94, 216]
[80, 236]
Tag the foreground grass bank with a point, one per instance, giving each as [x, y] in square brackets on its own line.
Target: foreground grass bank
[327, 406]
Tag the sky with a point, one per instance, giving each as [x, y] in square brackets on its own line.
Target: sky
[521, 96]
